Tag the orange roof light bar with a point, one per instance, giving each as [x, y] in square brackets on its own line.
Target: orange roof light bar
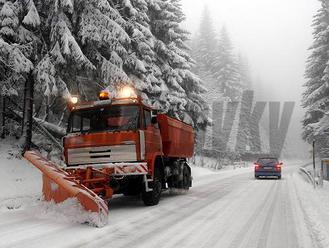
[104, 95]
[126, 92]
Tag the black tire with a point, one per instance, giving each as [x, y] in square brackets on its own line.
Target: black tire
[256, 177]
[153, 197]
[279, 177]
[186, 182]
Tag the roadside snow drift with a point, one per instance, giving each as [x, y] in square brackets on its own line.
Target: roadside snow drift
[20, 182]
[21, 189]
[69, 211]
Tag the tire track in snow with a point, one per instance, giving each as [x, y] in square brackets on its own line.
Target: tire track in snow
[199, 199]
[217, 210]
[246, 229]
[268, 219]
[169, 221]
[118, 230]
[270, 222]
[162, 230]
[218, 228]
[219, 231]
[37, 232]
[263, 231]
[290, 222]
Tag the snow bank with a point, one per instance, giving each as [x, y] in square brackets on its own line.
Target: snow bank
[199, 171]
[21, 188]
[214, 164]
[20, 182]
[208, 173]
[315, 203]
[210, 168]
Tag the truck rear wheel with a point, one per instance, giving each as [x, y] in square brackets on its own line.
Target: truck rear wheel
[186, 182]
[153, 197]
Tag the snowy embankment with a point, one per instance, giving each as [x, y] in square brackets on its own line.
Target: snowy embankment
[315, 203]
[21, 189]
[20, 182]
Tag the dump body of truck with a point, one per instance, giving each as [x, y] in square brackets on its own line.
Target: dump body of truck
[119, 146]
[177, 137]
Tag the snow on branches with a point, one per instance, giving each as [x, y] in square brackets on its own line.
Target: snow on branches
[8, 20]
[83, 46]
[32, 18]
[315, 97]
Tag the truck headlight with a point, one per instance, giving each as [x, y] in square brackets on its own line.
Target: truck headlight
[74, 99]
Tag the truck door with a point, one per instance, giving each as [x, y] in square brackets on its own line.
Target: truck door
[152, 136]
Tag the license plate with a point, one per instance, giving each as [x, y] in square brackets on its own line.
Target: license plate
[267, 168]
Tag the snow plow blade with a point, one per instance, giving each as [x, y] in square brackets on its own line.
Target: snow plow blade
[59, 186]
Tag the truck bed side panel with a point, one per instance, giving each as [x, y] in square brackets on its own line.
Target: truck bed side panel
[177, 137]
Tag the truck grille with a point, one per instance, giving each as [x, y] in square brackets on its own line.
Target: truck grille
[102, 154]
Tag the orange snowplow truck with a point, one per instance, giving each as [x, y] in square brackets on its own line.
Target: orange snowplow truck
[118, 146]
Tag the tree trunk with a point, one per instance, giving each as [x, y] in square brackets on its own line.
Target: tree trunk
[24, 121]
[28, 120]
[3, 121]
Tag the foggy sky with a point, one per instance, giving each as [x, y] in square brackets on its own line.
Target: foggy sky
[274, 35]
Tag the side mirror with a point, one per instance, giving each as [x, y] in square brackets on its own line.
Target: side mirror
[154, 120]
[281, 163]
[255, 163]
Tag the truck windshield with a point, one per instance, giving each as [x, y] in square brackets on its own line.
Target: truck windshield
[113, 118]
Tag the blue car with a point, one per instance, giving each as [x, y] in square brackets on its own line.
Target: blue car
[268, 167]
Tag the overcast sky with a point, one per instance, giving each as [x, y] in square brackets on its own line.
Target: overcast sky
[273, 34]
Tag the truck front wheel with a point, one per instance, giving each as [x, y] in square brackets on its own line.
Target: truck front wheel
[153, 197]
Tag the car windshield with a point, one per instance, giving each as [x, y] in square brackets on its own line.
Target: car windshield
[113, 118]
[267, 161]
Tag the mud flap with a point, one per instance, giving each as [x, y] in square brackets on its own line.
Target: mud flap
[59, 186]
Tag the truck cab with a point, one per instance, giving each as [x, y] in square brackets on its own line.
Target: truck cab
[112, 132]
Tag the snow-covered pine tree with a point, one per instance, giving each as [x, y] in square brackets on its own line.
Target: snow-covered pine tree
[244, 72]
[204, 45]
[9, 21]
[17, 44]
[203, 51]
[182, 98]
[226, 68]
[69, 42]
[101, 30]
[316, 94]
[59, 47]
[84, 46]
[19, 22]
[140, 63]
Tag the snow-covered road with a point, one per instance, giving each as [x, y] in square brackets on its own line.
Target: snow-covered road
[228, 209]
